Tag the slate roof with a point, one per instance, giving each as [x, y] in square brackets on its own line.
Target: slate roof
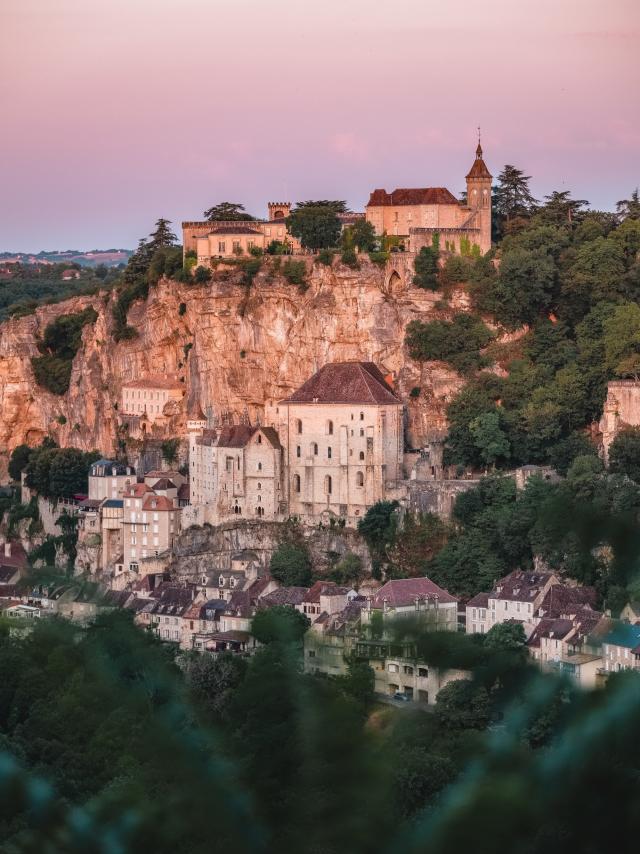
[238, 436]
[346, 382]
[520, 585]
[480, 600]
[164, 483]
[412, 196]
[113, 502]
[625, 635]
[8, 573]
[561, 600]
[285, 596]
[402, 592]
[325, 588]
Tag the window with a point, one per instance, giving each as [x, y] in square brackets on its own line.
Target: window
[393, 668]
[362, 416]
[298, 452]
[329, 453]
[298, 425]
[327, 484]
[259, 438]
[236, 246]
[361, 431]
[296, 483]
[330, 428]
[359, 479]
[222, 247]
[408, 670]
[314, 448]
[259, 485]
[422, 671]
[259, 466]
[361, 455]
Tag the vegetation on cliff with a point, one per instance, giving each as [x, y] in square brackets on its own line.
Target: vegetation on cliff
[60, 343]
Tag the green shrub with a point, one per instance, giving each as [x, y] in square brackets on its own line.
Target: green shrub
[60, 343]
[202, 275]
[251, 267]
[350, 259]
[379, 258]
[426, 267]
[325, 257]
[458, 342]
[295, 272]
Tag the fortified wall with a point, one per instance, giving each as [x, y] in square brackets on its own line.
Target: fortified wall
[621, 409]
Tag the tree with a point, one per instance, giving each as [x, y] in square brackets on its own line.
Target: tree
[282, 623]
[426, 268]
[463, 705]
[213, 681]
[361, 234]
[19, 458]
[378, 526]
[512, 195]
[291, 565]
[524, 286]
[227, 211]
[458, 341]
[336, 205]
[202, 275]
[560, 208]
[419, 775]
[162, 236]
[315, 225]
[170, 449]
[629, 208]
[507, 637]
[624, 453]
[491, 440]
[348, 571]
[360, 682]
[622, 340]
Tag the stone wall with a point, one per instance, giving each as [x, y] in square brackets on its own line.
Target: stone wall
[437, 496]
[621, 409]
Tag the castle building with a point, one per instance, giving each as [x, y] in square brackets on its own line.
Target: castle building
[417, 215]
[228, 239]
[334, 449]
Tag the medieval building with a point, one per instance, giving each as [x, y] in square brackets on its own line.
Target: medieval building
[334, 448]
[424, 216]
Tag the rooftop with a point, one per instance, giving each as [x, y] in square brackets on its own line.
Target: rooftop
[402, 592]
[412, 196]
[346, 382]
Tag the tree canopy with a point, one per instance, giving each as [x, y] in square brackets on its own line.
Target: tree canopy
[229, 211]
[315, 225]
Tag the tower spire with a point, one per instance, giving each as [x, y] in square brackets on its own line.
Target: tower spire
[479, 148]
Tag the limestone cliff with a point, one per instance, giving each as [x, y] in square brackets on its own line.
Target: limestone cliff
[234, 347]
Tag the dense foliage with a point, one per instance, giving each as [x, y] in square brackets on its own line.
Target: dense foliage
[59, 472]
[60, 343]
[315, 224]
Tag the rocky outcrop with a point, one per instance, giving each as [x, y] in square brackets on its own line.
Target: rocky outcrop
[207, 548]
[235, 348]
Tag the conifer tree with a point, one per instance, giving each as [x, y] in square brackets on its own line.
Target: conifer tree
[512, 194]
[162, 236]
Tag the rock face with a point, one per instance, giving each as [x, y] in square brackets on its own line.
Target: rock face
[201, 550]
[234, 347]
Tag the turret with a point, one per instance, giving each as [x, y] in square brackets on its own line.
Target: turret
[279, 210]
[479, 197]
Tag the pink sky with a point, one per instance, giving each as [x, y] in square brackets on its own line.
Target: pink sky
[115, 112]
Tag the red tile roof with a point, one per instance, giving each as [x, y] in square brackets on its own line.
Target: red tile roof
[346, 382]
[413, 196]
[238, 229]
[402, 592]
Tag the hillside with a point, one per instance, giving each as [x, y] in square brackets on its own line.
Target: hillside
[234, 347]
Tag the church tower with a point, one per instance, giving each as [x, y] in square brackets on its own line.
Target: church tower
[479, 197]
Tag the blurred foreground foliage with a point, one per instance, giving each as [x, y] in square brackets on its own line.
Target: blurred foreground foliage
[109, 744]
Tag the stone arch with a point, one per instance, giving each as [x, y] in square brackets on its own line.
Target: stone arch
[394, 284]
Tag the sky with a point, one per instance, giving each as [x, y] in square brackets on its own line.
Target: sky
[116, 112]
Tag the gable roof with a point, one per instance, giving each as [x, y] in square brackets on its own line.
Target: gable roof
[402, 592]
[560, 600]
[346, 382]
[625, 635]
[412, 196]
[521, 585]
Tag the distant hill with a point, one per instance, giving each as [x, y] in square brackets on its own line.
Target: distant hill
[108, 257]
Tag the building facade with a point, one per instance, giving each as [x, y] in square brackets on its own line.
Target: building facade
[417, 215]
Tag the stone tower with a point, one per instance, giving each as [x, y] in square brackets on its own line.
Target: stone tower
[279, 210]
[479, 197]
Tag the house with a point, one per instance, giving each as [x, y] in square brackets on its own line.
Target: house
[621, 648]
[425, 216]
[326, 597]
[476, 617]
[164, 610]
[151, 405]
[417, 598]
[570, 643]
[109, 479]
[151, 524]
[631, 613]
[517, 596]
[70, 274]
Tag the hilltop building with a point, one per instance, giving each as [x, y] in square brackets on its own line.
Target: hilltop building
[333, 448]
[420, 215]
[230, 238]
[621, 410]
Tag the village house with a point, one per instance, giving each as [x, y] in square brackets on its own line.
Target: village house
[151, 523]
[621, 648]
[517, 596]
[429, 216]
[109, 479]
[570, 643]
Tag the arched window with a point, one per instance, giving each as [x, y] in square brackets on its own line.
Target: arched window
[330, 428]
[259, 499]
[361, 455]
[362, 416]
[329, 453]
[314, 448]
[296, 483]
[298, 425]
[259, 485]
[327, 484]
[359, 479]
[298, 451]
[259, 466]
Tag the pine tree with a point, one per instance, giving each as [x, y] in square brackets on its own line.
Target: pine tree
[162, 236]
[227, 211]
[512, 194]
[629, 208]
[559, 207]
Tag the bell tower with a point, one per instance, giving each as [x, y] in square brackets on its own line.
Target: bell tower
[479, 196]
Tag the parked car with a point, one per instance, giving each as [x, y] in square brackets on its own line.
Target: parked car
[400, 695]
